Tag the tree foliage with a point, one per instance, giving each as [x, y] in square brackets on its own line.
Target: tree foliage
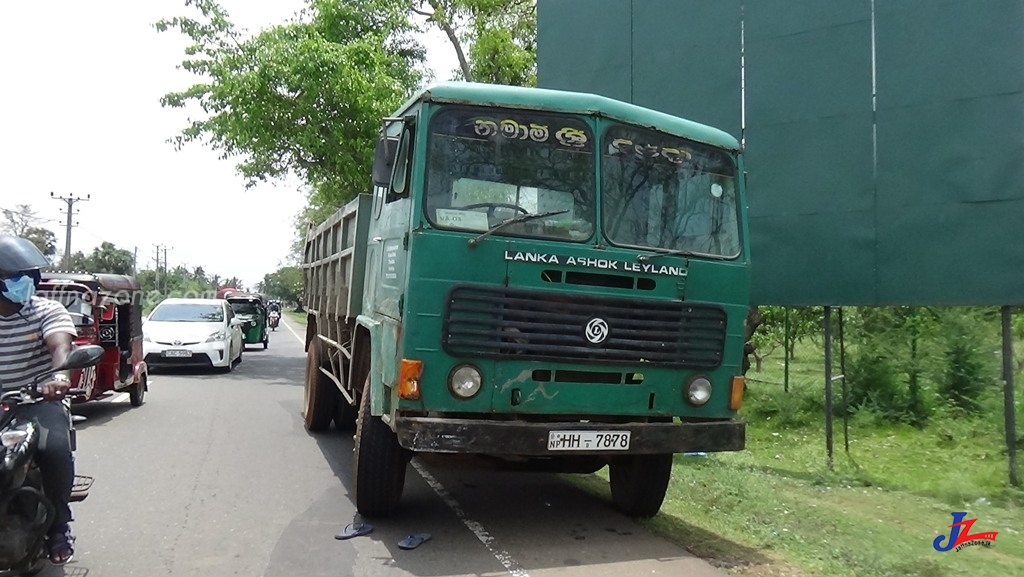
[285, 283]
[501, 36]
[22, 221]
[305, 97]
[106, 258]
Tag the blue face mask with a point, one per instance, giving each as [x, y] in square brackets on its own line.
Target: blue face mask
[19, 289]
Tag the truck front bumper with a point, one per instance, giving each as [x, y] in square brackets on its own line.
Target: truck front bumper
[439, 435]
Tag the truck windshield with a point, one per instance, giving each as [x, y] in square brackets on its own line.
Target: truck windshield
[663, 192]
[487, 166]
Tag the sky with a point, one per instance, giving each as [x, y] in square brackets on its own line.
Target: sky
[81, 116]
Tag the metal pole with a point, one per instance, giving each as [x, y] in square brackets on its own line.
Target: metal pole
[70, 201]
[842, 374]
[1008, 406]
[157, 282]
[785, 354]
[828, 383]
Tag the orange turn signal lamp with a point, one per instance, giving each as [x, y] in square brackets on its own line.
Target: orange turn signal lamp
[736, 392]
[409, 379]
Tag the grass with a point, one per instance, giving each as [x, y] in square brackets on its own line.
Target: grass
[297, 317]
[777, 509]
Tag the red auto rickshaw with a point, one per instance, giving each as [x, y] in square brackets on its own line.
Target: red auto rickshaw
[107, 311]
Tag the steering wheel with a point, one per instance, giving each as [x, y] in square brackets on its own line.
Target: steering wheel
[495, 205]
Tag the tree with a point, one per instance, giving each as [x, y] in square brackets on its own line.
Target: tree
[501, 35]
[43, 238]
[19, 220]
[107, 258]
[305, 97]
[286, 283]
[22, 221]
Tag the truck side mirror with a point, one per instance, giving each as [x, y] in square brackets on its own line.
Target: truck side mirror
[400, 178]
[384, 160]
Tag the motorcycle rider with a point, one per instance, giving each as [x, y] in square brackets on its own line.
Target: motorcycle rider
[35, 333]
[273, 307]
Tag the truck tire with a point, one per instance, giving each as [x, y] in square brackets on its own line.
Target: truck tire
[345, 415]
[380, 463]
[318, 395]
[639, 482]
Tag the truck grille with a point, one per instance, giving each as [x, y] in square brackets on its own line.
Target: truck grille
[502, 322]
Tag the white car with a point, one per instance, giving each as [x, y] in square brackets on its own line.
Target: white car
[192, 332]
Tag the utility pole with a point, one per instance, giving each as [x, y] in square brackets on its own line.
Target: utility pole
[157, 247]
[166, 275]
[135, 262]
[70, 200]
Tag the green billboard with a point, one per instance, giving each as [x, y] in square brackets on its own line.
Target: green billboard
[883, 137]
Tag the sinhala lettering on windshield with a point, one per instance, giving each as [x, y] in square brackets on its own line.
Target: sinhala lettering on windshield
[513, 129]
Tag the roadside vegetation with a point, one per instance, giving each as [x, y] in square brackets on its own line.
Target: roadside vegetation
[916, 454]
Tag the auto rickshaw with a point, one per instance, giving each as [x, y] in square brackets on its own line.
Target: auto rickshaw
[107, 311]
[250, 309]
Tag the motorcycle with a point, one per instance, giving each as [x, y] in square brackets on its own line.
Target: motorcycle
[26, 513]
[274, 318]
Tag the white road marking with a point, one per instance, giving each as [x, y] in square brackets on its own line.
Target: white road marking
[511, 565]
[119, 398]
[301, 340]
[503, 557]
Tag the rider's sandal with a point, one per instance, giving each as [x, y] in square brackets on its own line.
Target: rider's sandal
[61, 547]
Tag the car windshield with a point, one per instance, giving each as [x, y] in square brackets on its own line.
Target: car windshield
[188, 313]
[664, 192]
[245, 308]
[487, 166]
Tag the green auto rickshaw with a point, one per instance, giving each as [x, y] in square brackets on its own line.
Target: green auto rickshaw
[249, 309]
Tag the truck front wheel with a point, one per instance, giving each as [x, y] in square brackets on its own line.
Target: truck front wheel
[639, 482]
[380, 463]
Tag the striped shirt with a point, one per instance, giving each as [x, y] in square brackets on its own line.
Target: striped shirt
[23, 350]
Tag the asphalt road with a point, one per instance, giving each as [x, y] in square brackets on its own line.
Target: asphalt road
[216, 476]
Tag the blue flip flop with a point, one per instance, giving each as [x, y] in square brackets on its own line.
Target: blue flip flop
[354, 530]
[414, 541]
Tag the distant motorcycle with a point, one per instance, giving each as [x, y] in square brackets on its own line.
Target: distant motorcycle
[273, 319]
[26, 513]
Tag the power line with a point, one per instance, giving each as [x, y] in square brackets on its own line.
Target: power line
[70, 200]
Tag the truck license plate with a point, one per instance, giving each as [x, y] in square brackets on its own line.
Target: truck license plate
[588, 440]
[177, 353]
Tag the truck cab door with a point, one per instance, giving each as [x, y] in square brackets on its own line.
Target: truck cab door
[388, 245]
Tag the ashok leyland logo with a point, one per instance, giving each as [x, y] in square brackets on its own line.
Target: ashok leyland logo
[960, 535]
[596, 331]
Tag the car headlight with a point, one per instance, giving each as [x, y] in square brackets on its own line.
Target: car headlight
[698, 391]
[146, 339]
[464, 381]
[217, 336]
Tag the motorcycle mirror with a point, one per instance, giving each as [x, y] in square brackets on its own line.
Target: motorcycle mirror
[81, 357]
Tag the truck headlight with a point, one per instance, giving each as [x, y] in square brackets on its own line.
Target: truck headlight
[464, 381]
[698, 391]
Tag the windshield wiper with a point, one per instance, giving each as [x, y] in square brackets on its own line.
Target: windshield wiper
[649, 257]
[524, 218]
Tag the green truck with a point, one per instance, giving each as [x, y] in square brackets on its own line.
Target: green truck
[556, 279]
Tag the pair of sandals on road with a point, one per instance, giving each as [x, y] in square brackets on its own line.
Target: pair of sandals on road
[357, 529]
